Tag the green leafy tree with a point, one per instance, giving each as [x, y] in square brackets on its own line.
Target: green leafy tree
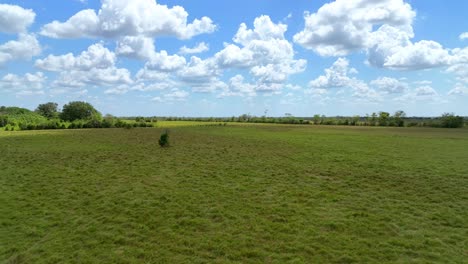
[316, 119]
[383, 118]
[398, 118]
[449, 120]
[79, 111]
[355, 120]
[48, 110]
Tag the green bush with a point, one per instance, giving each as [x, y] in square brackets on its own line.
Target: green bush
[164, 139]
[449, 120]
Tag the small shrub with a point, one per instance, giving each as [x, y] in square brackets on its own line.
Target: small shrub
[164, 139]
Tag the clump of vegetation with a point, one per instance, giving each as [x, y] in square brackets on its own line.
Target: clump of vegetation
[164, 139]
[75, 115]
[48, 110]
[79, 110]
[449, 120]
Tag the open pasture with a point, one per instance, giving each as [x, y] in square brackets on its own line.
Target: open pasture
[234, 194]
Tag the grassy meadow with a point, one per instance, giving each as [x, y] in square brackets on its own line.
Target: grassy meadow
[234, 194]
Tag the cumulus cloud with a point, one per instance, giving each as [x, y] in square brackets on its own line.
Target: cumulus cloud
[425, 91]
[96, 56]
[137, 47]
[24, 48]
[199, 48]
[174, 95]
[199, 71]
[264, 51]
[341, 27]
[420, 55]
[166, 63]
[463, 36]
[459, 89]
[238, 87]
[93, 77]
[338, 76]
[383, 29]
[389, 85]
[120, 18]
[15, 19]
[28, 84]
[422, 93]
[95, 66]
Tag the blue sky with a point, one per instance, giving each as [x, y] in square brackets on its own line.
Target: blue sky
[227, 58]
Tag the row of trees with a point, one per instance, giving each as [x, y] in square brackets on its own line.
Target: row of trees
[398, 119]
[84, 115]
[74, 115]
[71, 111]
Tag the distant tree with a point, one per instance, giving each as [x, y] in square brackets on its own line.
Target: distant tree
[316, 119]
[3, 120]
[373, 119]
[355, 120]
[79, 110]
[108, 121]
[449, 120]
[383, 118]
[48, 110]
[398, 118]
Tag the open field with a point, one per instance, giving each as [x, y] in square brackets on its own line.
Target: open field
[234, 194]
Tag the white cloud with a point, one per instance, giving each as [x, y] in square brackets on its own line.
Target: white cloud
[15, 19]
[425, 91]
[335, 77]
[138, 47]
[96, 56]
[174, 95]
[459, 64]
[459, 89]
[95, 67]
[198, 71]
[120, 18]
[383, 29]
[463, 36]
[98, 77]
[26, 47]
[238, 87]
[420, 55]
[389, 85]
[199, 48]
[167, 63]
[264, 51]
[234, 56]
[343, 26]
[28, 84]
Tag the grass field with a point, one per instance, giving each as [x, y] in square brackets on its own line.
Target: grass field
[235, 194]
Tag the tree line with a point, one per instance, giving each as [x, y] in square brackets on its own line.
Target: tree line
[398, 119]
[74, 115]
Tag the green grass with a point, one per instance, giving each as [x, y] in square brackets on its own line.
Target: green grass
[235, 194]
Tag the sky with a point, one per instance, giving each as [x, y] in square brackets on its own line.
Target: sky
[227, 58]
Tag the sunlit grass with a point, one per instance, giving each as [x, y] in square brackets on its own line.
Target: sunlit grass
[234, 194]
